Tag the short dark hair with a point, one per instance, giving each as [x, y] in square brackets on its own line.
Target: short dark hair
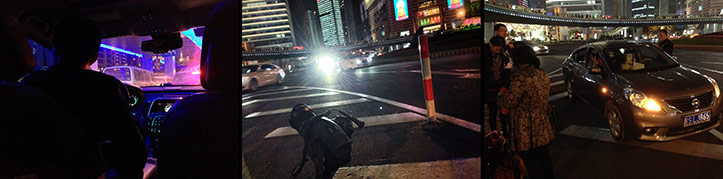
[497, 26]
[664, 31]
[497, 41]
[76, 40]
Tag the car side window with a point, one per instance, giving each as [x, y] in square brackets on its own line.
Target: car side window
[580, 56]
[594, 59]
[266, 67]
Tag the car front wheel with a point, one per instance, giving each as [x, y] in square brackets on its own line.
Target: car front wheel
[615, 122]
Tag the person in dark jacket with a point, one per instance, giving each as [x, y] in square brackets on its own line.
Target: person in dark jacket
[531, 130]
[664, 43]
[98, 101]
[494, 76]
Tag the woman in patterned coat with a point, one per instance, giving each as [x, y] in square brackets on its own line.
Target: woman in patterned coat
[530, 129]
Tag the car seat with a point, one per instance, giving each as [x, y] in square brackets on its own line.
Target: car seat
[199, 139]
[37, 136]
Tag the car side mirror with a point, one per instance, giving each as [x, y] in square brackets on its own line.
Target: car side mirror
[595, 70]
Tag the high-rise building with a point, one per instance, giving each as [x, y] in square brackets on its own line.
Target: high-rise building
[591, 8]
[537, 4]
[622, 8]
[353, 21]
[266, 25]
[314, 31]
[693, 7]
[379, 19]
[332, 25]
[365, 28]
[645, 8]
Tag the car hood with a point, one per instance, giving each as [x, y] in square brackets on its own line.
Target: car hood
[669, 83]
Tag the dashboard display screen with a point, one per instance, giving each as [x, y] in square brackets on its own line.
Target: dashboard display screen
[162, 105]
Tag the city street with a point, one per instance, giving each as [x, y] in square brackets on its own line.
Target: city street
[584, 147]
[396, 142]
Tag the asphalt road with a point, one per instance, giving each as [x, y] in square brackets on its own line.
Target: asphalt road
[584, 148]
[397, 142]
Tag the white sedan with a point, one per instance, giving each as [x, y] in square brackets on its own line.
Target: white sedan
[258, 75]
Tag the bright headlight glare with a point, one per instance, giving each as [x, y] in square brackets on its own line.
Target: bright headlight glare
[536, 48]
[326, 64]
[638, 99]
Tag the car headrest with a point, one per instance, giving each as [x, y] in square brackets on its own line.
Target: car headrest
[220, 50]
[17, 58]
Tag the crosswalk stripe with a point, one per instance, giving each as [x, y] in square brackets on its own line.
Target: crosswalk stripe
[555, 75]
[275, 92]
[717, 134]
[684, 147]
[267, 90]
[554, 71]
[314, 106]
[558, 96]
[714, 71]
[460, 168]
[418, 110]
[369, 121]
[556, 83]
[289, 97]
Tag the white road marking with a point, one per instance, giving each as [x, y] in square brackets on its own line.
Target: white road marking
[555, 75]
[558, 96]
[554, 71]
[461, 168]
[369, 121]
[314, 106]
[267, 90]
[717, 134]
[714, 71]
[557, 83]
[450, 119]
[472, 76]
[289, 97]
[270, 93]
[716, 63]
[684, 147]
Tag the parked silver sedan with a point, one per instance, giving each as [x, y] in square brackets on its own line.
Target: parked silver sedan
[258, 75]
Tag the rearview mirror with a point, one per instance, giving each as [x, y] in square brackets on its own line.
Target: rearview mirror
[162, 43]
[595, 70]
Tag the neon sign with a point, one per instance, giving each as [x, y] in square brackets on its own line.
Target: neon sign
[400, 10]
[451, 4]
[431, 20]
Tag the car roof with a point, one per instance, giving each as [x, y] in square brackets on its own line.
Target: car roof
[614, 43]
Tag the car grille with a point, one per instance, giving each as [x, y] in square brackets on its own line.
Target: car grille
[684, 104]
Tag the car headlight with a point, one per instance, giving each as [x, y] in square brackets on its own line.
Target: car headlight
[326, 64]
[715, 85]
[546, 47]
[639, 99]
[358, 61]
[536, 48]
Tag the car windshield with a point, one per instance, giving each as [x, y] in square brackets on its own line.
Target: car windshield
[639, 58]
[179, 66]
[249, 69]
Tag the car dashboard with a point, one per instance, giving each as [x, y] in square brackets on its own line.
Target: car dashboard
[150, 106]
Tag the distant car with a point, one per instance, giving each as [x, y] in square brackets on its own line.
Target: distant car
[187, 78]
[131, 75]
[538, 47]
[255, 76]
[644, 93]
[353, 61]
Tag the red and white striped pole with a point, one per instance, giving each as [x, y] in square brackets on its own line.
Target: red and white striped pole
[427, 77]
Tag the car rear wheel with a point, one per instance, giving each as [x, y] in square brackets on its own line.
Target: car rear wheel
[615, 122]
[253, 85]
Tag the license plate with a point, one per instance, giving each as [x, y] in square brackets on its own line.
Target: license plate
[696, 119]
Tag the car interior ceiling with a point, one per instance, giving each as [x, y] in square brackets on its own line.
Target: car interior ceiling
[115, 18]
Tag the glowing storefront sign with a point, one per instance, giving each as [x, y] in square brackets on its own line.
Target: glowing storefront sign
[428, 12]
[472, 21]
[451, 4]
[400, 10]
[431, 20]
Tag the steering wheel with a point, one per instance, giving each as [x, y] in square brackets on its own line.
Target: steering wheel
[135, 95]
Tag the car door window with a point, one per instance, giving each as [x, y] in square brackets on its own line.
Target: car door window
[580, 56]
[267, 67]
[594, 59]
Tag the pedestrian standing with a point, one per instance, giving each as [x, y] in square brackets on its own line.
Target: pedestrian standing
[530, 128]
[664, 43]
[504, 57]
[493, 77]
